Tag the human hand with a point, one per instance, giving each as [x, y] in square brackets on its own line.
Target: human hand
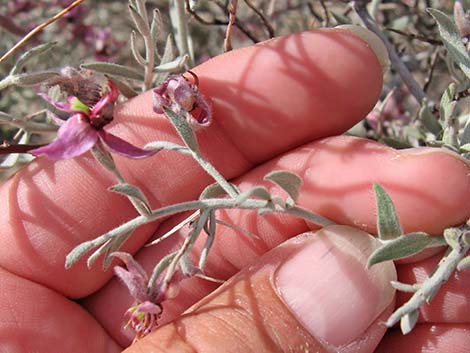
[307, 294]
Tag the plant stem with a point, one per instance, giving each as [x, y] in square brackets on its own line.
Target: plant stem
[427, 289]
[183, 33]
[415, 89]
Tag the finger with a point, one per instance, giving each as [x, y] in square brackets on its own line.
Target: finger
[37, 319]
[49, 207]
[313, 293]
[337, 174]
[450, 305]
[429, 338]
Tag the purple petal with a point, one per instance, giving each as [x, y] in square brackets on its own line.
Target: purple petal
[66, 107]
[135, 283]
[109, 98]
[132, 265]
[118, 145]
[74, 138]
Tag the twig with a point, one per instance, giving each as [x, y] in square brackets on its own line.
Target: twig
[416, 36]
[39, 28]
[397, 64]
[426, 290]
[264, 19]
[232, 10]
[327, 14]
[432, 66]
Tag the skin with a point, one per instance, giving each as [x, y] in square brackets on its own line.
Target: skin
[258, 125]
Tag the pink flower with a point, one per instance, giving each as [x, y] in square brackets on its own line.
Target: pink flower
[143, 316]
[182, 97]
[85, 128]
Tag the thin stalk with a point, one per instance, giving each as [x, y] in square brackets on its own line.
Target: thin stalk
[397, 64]
[183, 33]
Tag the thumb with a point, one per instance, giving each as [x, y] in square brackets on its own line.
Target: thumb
[313, 293]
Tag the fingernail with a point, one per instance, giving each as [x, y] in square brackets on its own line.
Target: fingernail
[326, 284]
[372, 41]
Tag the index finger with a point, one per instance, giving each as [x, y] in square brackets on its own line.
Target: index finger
[265, 99]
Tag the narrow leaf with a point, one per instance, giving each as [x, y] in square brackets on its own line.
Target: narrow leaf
[103, 157]
[388, 225]
[134, 193]
[135, 51]
[158, 269]
[31, 79]
[114, 69]
[142, 26]
[288, 181]
[408, 321]
[156, 25]
[256, 191]
[30, 54]
[183, 128]
[447, 103]
[168, 55]
[172, 66]
[452, 41]
[165, 145]
[125, 89]
[209, 241]
[403, 246]
[429, 120]
[212, 191]
[77, 252]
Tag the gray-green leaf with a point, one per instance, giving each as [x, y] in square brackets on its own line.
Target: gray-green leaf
[405, 245]
[388, 224]
[30, 54]
[183, 128]
[288, 181]
[451, 38]
[114, 69]
[135, 194]
[429, 120]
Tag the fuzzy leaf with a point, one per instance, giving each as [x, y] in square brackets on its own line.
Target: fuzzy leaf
[174, 65]
[142, 26]
[447, 103]
[31, 79]
[408, 321]
[135, 194]
[464, 264]
[77, 252]
[158, 269]
[114, 69]
[429, 120]
[135, 51]
[400, 247]
[257, 191]
[103, 157]
[156, 25]
[168, 56]
[288, 181]
[183, 128]
[212, 191]
[30, 54]
[388, 225]
[209, 241]
[452, 41]
[125, 89]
